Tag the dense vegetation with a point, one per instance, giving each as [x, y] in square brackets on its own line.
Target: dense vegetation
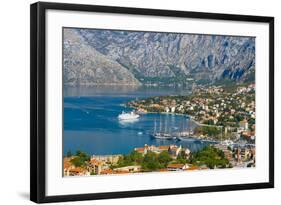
[80, 159]
[206, 130]
[149, 162]
[211, 157]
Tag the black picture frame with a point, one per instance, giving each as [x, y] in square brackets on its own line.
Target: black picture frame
[38, 97]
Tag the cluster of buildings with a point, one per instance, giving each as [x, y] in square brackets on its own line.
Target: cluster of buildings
[210, 89]
[224, 107]
[102, 165]
[230, 108]
[97, 165]
[233, 110]
[70, 170]
[173, 150]
[245, 156]
[239, 156]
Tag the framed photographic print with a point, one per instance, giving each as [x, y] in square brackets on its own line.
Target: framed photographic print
[129, 102]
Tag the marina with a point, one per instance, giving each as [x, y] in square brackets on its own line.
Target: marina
[92, 124]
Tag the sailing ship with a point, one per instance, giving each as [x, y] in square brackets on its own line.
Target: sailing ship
[186, 135]
[162, 134]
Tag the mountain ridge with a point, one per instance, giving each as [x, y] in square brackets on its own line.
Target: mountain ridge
[161, 58]
[83, 65]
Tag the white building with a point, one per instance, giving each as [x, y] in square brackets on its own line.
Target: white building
[177, 167]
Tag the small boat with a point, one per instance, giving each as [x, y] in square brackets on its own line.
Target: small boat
[128, 116]
[188, 138]
[183, 133]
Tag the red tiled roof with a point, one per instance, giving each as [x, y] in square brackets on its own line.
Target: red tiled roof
[163, 147]
[107, 171]
[139, 149]
[77, 170]
[177, 166]
[66, 163]
[95, 162]
[122, 172]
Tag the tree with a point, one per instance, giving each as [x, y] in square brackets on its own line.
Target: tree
[136, 157]
[210, 131]
[77, 162]
[150, 162]
[210, 156]
[164, 158]
[131, 159]
[181, 158]
[150, 156]
[78, 152]
[69, 153]
[82, 155]
[80, 159]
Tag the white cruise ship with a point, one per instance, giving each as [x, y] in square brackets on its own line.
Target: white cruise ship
[128, 116]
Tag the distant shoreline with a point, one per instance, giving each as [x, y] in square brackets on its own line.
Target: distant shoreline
[174, 113]
[125, 84]
[191, 118]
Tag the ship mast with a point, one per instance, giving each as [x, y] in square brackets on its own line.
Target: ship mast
[160, 126]
[154, 126]
[189, 129]
[165, 131]
[170, 126]
[183, 123]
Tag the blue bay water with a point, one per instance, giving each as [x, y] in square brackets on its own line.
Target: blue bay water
[91, 123]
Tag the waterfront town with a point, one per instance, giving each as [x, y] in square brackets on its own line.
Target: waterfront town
[221, 113]
[225, 116]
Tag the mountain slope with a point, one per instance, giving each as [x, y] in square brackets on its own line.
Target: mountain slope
[173, 58]
[83, 65]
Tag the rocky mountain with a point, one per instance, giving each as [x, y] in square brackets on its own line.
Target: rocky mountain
[125, 57]
[84, 65]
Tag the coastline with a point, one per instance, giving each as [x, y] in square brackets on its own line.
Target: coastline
[191, 118]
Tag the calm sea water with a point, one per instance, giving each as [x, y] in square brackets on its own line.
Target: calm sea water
[91, 123]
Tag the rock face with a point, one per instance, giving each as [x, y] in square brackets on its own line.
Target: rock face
[122, 57]
[83, 65]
